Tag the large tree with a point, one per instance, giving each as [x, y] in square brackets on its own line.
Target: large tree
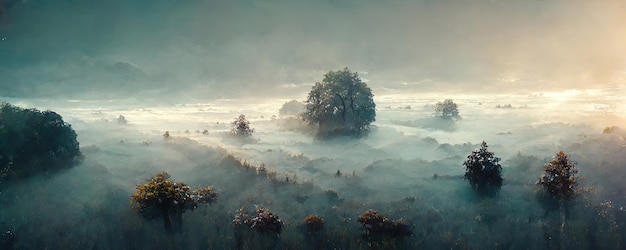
[340, 104]
[33, 141]
[164, 198]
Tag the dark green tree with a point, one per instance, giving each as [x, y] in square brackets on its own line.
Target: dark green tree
[340, 104]
[33, 141]
[447, 109]
[164, 198]
[483, 171]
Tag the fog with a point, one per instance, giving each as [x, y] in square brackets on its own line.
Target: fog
[190, 67]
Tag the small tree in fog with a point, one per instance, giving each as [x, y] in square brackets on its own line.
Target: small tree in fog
[241, 126]
[167, 199]
[122, 120]
[340, 104]
[483, 170]
[559, 179]
[292, 107]
[447, 108]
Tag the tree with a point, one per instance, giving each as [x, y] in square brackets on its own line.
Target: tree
[292, 107]
[264, 222]
[165, 198]
[559, 179]
[340, 104]
[375, 223]
[241, 126]
[33, 141]
[122, 120]
[447, 109]
[483, 171]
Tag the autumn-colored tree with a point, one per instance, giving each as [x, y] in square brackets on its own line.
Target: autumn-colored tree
[375, 223]
[164, 198]
[559, 179]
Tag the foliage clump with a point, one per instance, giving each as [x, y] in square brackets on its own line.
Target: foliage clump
[559, 179]
[340, 104]
[447, 109]
[264, 222]
[375, 223]
[314, 223]
[483, 170]
[241, 126]
[167, 199]
[33, 141]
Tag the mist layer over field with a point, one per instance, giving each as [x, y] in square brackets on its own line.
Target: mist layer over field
[531, 78]
[409, 166]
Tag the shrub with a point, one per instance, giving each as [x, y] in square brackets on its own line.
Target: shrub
[559, 179]
[33, 141]
[483, 170]
[241, 126]
[167, 199]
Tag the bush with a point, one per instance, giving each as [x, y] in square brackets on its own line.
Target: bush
[33, 141]
[447, 108]
[559, 179]
[241, 126]
[483, 171]
[340, 104]
[167, 199]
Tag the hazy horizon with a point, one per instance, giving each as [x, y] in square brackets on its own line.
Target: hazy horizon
[272, 48]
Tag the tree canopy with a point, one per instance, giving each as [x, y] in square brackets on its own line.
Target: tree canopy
[241, 126]
[340, 104]
[559, 179]
[167, 199]
[483, 170]
[447, 108]
[33, 141]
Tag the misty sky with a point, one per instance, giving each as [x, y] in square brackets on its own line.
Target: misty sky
[212, 49]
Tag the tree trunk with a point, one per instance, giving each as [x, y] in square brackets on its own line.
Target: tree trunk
[166, 218]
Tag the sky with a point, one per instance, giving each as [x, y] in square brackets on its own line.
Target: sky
[279, 48]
